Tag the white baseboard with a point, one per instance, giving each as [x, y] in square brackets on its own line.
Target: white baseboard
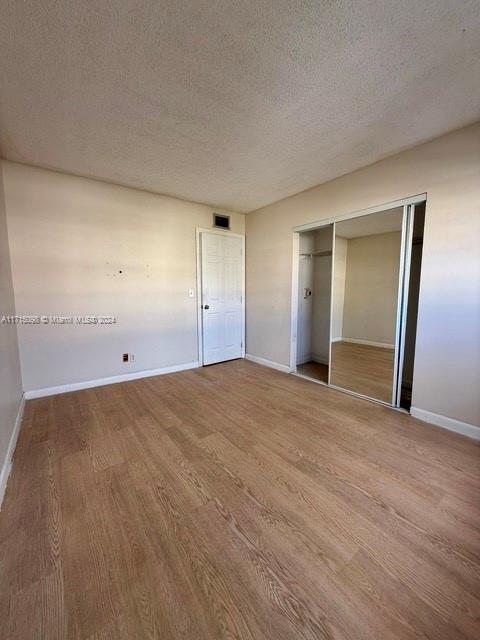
[312, 357]
[7, 465]
[369, 343]
[268, 363]
[100, 382]
[303, 359]
[466, 429]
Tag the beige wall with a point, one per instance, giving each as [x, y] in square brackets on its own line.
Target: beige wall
[371, 288]
[447, 369]
[69, 238]
[10, 380]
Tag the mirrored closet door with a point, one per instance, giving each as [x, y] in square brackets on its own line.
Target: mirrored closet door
[357, 292]
[367, 272]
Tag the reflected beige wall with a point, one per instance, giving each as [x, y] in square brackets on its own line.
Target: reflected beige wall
[371, 288]
[339, 279]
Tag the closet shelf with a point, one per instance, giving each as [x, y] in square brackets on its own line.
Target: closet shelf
[315, 254]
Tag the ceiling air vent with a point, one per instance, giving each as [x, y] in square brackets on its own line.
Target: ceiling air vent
[221, 221]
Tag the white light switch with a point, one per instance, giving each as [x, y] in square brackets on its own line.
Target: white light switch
[191, 293]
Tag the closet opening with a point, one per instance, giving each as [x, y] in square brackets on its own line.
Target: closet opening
[314, 300]
[355, 290]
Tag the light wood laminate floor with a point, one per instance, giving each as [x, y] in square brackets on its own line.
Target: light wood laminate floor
[235, 501]
[364, 369]
[315, 370]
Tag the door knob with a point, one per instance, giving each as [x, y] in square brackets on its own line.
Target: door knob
[206, 306]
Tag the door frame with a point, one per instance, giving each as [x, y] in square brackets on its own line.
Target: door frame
[401, 308]
[402, 303]
[199, 292]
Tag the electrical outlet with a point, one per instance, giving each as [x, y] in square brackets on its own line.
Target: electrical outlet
[132, 357]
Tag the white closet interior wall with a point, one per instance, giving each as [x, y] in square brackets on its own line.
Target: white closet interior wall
[313, 332]
[305, 307]
[322, 285]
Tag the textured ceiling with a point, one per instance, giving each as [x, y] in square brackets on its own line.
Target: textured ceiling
[236, 103]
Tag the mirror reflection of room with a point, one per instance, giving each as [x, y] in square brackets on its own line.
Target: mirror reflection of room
[365, 294]
[314, 293]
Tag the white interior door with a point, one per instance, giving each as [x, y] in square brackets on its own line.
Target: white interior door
[222, 297]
